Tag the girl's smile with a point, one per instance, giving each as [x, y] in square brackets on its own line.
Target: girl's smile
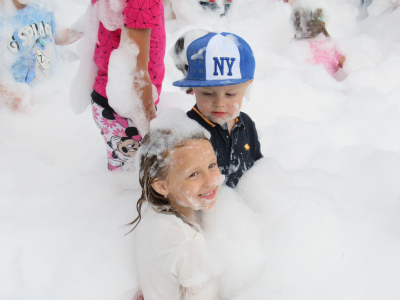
[209, 195]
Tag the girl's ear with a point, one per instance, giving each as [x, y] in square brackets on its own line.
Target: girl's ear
[160, 187]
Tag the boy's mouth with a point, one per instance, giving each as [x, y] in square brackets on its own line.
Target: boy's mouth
[218, 114]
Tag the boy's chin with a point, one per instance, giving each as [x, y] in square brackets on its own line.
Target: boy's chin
[220, 121]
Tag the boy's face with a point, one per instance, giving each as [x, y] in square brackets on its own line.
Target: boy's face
[220, 104]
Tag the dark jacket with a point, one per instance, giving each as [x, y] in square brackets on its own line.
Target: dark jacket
[236, 153]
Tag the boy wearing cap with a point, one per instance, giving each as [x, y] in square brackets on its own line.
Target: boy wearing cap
[221, 67]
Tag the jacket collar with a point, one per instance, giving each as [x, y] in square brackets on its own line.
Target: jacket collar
[238, 121]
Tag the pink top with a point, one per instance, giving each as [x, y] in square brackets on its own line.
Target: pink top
[137, 14]
[325, 53]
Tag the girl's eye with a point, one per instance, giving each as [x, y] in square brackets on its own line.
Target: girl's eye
[207, 94]
[193, 174]
[231, 95]
[213, 165]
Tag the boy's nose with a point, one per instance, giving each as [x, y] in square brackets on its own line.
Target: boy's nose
[219, 101]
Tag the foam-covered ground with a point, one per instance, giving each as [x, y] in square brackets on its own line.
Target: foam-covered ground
[317, 218]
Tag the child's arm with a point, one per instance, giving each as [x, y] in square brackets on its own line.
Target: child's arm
[192, 266]
[258, 144]
[207, 291]
[341, 61]
[141, 37]
[67, 36]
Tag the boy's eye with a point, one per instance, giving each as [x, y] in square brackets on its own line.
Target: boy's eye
[193, 174]
[207, 94]
[230, 95]
[213, 165]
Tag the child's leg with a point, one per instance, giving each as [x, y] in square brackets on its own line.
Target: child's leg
[120, 135]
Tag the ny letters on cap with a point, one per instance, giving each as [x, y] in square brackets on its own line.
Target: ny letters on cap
[218, 59]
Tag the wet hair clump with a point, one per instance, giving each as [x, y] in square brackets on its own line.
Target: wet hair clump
[308, 23]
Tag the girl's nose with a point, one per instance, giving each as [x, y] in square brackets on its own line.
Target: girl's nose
[210, 180]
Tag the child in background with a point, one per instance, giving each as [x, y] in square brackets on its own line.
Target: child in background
[143, 25]
[213, 5]
[310, 25]
[291, 2]
[179, 176]
[31, 41]
[221, 67]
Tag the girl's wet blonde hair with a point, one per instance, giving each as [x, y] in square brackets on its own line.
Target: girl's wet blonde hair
[308, 23]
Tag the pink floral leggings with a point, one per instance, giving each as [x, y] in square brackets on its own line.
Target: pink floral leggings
[120, 134]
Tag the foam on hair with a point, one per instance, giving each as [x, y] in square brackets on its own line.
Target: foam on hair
[170, 129]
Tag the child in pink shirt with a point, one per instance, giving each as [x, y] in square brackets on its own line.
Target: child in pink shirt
[143, 21]
[310, 25]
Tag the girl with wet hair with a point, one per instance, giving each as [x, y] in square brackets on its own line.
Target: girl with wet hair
[310, 25]
[179, 176]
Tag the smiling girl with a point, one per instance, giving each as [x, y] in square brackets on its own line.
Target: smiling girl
[179, 176]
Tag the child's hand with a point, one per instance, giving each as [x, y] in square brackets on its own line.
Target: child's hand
[15, 102]
[341, 61]
[15, 99]
[67, 36]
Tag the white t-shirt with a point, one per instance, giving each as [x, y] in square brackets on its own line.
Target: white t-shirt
[169, 255]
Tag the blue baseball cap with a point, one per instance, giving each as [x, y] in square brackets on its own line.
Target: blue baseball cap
[218, 59]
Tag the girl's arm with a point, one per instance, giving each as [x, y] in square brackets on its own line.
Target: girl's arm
[141, 37]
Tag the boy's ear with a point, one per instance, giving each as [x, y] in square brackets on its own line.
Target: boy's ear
[160, 187]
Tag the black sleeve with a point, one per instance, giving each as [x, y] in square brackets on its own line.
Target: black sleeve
[258, 145]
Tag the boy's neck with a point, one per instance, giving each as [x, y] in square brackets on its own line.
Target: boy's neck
[18, 5]
[230, 125]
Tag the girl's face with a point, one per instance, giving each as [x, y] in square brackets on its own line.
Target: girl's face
[193, 179]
